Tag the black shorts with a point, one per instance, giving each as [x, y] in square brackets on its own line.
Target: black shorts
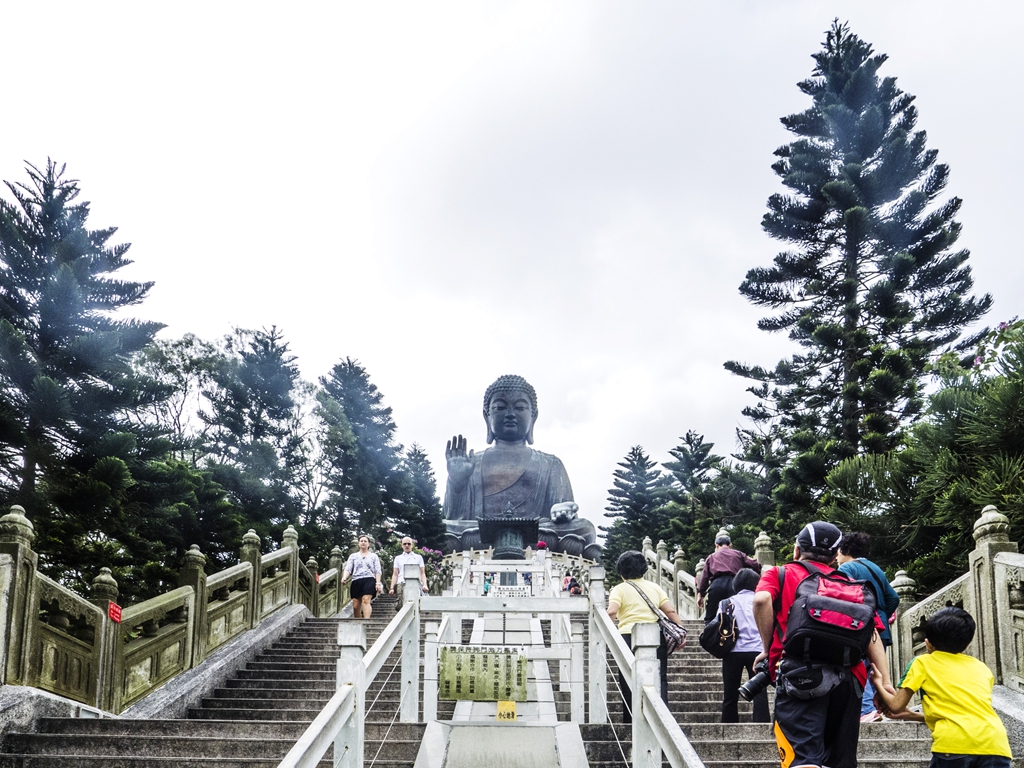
[362, 587]
[821, 731]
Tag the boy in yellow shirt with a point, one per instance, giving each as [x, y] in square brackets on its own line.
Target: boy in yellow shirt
[956, 695]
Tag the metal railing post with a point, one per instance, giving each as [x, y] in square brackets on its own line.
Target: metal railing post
[348, 746]
[410, 708]
[576, 692]
[597, 675]
[646, 672]
[430, 650]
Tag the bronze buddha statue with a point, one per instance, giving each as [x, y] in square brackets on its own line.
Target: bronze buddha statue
[510, 478]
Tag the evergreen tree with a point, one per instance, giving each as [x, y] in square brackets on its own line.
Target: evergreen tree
[874, 284]
[635, 505]
[965, 453]
[70, 451]
[366, 481]
[64, 373]
[250, 407]
[423, 519]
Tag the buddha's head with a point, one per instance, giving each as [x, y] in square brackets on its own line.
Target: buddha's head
[510, 410]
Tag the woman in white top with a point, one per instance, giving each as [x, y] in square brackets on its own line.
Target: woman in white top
[748, 645]
[364, 569]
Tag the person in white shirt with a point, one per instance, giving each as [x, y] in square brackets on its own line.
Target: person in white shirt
[408, 557]
[748, 645]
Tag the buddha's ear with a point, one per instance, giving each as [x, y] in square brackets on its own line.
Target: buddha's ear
[529, 435]
[490, 434]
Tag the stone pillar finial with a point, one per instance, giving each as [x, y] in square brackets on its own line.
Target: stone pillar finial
[679, 560]
[993, 526]
[723, 532]
[906, 588]
[16, 528]
[313, 565]
[251, 539]
[194, 558]
[647, 546]
[662, 550]
[104, 588]
[763, 551]
[290, 537]
[337, 561]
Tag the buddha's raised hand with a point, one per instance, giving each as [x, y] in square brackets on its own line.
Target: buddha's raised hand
[460, 462]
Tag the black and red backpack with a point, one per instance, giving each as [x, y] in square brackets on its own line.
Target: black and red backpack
[831, 619]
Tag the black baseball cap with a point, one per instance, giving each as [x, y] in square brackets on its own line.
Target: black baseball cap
[819, 535]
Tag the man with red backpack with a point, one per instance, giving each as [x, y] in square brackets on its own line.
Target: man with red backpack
[816, 626]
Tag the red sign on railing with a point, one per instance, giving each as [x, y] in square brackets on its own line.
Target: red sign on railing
[114, 612]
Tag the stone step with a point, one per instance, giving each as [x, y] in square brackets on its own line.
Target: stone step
[148, 746]
[75, 760]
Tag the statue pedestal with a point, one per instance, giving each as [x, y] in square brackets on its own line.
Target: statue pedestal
[508, 536]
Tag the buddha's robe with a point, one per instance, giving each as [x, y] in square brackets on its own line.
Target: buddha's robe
[542, 484]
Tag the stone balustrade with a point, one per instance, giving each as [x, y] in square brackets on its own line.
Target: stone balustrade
[56, 640]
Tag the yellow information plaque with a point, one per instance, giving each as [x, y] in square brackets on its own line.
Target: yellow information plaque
[481, 673]
[506, 710]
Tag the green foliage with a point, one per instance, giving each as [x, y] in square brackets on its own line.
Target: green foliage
[635, 504]
[967, 451]
[872, 288]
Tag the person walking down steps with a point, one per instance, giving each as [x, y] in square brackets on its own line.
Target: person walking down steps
[363, 567]
[408, 557]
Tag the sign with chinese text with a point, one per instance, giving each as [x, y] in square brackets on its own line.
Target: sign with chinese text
[114, 612]
[482, 673]
[498, 591]
[506, 711]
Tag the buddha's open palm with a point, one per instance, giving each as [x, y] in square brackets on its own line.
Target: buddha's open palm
[564, 511]
[460, 462]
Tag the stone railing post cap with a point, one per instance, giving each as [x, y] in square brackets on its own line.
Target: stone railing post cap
[105, 577]
[194, 556]
[992, 523]
[251, 537]
[16, 524]
[337, 550]
[678, 554]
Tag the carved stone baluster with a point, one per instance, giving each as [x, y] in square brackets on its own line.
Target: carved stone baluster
[764, 553]
[193, 574]
[18, 591]
[991, 537]
[251, 554]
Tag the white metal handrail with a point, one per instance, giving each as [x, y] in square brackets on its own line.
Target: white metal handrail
[621, 653]
[319, 736]
[674, 744]
[388, 639]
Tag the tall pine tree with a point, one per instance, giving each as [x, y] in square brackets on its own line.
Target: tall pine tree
[635, 505]
[366, 478]
[70, 451]
[873, 285]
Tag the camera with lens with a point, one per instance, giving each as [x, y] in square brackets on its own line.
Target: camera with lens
[757, 683]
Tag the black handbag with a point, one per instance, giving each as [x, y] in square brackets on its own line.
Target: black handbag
[674, 635]
[719, 637]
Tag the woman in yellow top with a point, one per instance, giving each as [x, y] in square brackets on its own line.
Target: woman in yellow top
[626, 606]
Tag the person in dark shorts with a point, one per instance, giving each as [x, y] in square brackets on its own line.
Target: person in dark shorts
[363, 567]
[820, 727]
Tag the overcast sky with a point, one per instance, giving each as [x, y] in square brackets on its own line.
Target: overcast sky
[447, 192]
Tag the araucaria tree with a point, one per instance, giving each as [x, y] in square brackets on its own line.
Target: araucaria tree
[872, 284]
[68, 446]
[635, 505]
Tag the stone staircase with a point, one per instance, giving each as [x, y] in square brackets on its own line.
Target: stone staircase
[251, 722]
[260, 712]
[695, 698]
